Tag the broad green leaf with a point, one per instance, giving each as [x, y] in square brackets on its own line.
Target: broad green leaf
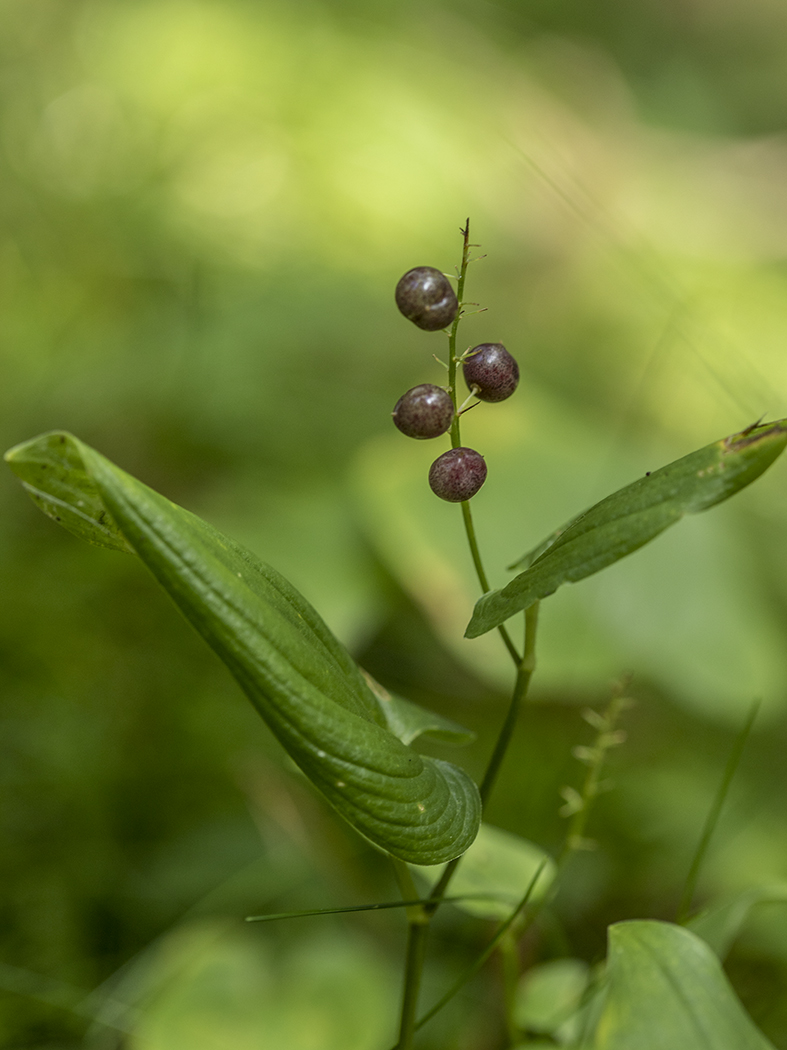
[720, 925]
[548, 994]
[408, 721]
[502, 865]
[631, 517]
[301, 679]
[666, 989]
[210, 985]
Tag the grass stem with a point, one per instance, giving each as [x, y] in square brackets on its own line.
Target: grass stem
[684, 908]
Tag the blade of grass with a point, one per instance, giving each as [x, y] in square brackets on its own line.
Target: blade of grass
[274, 916]
[714, 813]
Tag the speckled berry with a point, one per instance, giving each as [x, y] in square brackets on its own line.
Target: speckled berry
[492, 370]
[457, 475]
[426, 411]
[425, 297]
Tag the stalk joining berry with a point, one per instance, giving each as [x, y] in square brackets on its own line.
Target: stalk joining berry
[426, 411]
[492, 371]
[457, 475]
[425, 297]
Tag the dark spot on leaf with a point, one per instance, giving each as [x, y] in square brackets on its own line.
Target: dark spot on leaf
[62, 441]
[647, 473]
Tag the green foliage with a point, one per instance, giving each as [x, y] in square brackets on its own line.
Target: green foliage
[211, 986]
[632, 517]
[666, 988]
[203, 208]
[409, 721]
[302, 680]
[548, 994]
[721, 924]
[502, 865]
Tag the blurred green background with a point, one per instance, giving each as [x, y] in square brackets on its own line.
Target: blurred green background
[205, 209]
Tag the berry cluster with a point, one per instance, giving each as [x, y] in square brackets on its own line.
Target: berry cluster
[426, 298]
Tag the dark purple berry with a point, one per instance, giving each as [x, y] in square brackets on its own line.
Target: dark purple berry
[457, 475]
[492, 370]
[426, 411]
[425, 297]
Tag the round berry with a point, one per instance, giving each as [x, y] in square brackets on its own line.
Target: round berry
[425, 297]
[457, 475]
[492, 371]
[426, 411]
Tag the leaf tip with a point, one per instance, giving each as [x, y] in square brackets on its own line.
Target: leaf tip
[755, 435]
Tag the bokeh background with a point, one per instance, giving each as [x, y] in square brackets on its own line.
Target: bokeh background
[205, 209]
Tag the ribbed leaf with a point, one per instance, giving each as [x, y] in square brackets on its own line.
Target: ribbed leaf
[301, 679]
[631, 517]
[666, 989]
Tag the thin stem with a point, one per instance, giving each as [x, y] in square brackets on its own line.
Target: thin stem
[407, 888]
[417, 931]
[524, 674]
[479, 568]
[416, 950]
[438, 893]
[456, 437]
[510, 960]
[409, 903]
[418, 927]
[714, 813]
[526, 666]
[474, 967]
[420, 916]
[460, 289]
[456, 442]
[467, 516]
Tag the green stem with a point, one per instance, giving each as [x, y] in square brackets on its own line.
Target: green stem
[510, 959]
[479, 568]
[456, 437]
[417, 932]
[714, 813]
[407, 888]
[381, 906]
[460, 289]
[524, 674]
[418, 927]
[420, 917]
[416, 951]
[474, 967]
[526, 663]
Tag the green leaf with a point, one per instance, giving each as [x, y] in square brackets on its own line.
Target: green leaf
[632, 517]
[408, 721]
[549, 994]
[502, 865]
[210, 985]
[302, 681]
[666, 989]
[720, 925]
[51, 470]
